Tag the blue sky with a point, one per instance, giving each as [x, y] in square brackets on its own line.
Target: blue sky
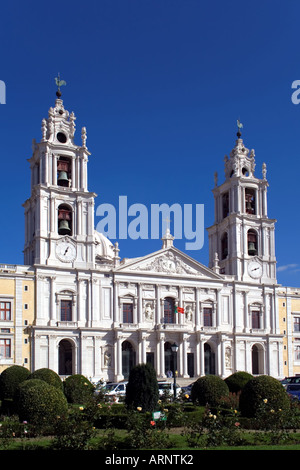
[159, 85]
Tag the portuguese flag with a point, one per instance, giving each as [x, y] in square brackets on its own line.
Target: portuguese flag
[179, 310]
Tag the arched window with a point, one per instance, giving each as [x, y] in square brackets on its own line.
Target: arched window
[252, 242]
[169, 310]
[250, 205]
[64, 220]
[64, 172]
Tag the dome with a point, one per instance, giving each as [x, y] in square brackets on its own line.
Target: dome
[104, 247]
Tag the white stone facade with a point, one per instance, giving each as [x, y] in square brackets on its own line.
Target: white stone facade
[98, 316]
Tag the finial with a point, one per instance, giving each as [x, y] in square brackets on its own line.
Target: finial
[59, 83]
[240, 126]
[167, 238]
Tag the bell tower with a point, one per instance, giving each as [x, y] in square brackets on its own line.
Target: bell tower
[242, 237]
[59, 215]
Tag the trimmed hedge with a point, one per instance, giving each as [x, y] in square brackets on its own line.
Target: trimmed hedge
[237, 381]
[262, 388]
[142, 388]
[10, 379]
[209, 389]
[49, 376]
[78, 389]
[40, 403]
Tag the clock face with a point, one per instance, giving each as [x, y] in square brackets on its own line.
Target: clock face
[255, 269]
[65, 251]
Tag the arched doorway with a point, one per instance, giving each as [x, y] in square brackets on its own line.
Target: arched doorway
[170, 360]
[209, 360]
[128, 358]
[257, 360]
[65, 357]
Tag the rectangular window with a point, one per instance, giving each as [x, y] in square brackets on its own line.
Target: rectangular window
[66, 310]
[5, 310]
[297, 324]
[5, 348]
[255, 319]
[169, 310]
[127, 313]
[207, 316]
[297, 353]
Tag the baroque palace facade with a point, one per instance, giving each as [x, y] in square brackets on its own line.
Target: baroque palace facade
[90, 313]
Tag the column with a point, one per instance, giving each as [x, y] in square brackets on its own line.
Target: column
[162, 355]
[158, 306]
[222, 352]
[185, 362]
[116, 302]
[73, 174]
[53, 318]
[197, 356]
[202, 363]
[246, 316]
[52, 214]
[118, 357]
[140, 303]
[197, 313]
[54, 169]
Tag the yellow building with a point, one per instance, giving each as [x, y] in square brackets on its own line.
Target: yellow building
[16, 315]
[289, 315]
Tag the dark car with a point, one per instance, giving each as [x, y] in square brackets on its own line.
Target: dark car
[293, 390]
[290, 380]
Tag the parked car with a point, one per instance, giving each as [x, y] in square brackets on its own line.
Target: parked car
[290, 380]
[168, 387]
[188, 388]
[113, 391]
[293, 390]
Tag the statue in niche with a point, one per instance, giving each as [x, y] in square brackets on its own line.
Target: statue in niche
[189, 313]
[107, 359]
[148, 312]
[228, 358]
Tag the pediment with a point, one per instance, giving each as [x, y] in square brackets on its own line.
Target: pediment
[169, 261]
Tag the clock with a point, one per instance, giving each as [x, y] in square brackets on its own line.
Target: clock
[255, 269]
[65, 251]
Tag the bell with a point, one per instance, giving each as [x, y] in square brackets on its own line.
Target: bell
[64, 228]
[251, 249]
[63, 179]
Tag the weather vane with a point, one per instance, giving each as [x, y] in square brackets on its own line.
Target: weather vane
[59, 83]
[240, 126]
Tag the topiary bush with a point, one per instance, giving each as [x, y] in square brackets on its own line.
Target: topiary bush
[259, 389]
[10, 379]
[237, 381]
[49, 376]
[78, 389]
[209, 390]
[142, 388]
[40, 403]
